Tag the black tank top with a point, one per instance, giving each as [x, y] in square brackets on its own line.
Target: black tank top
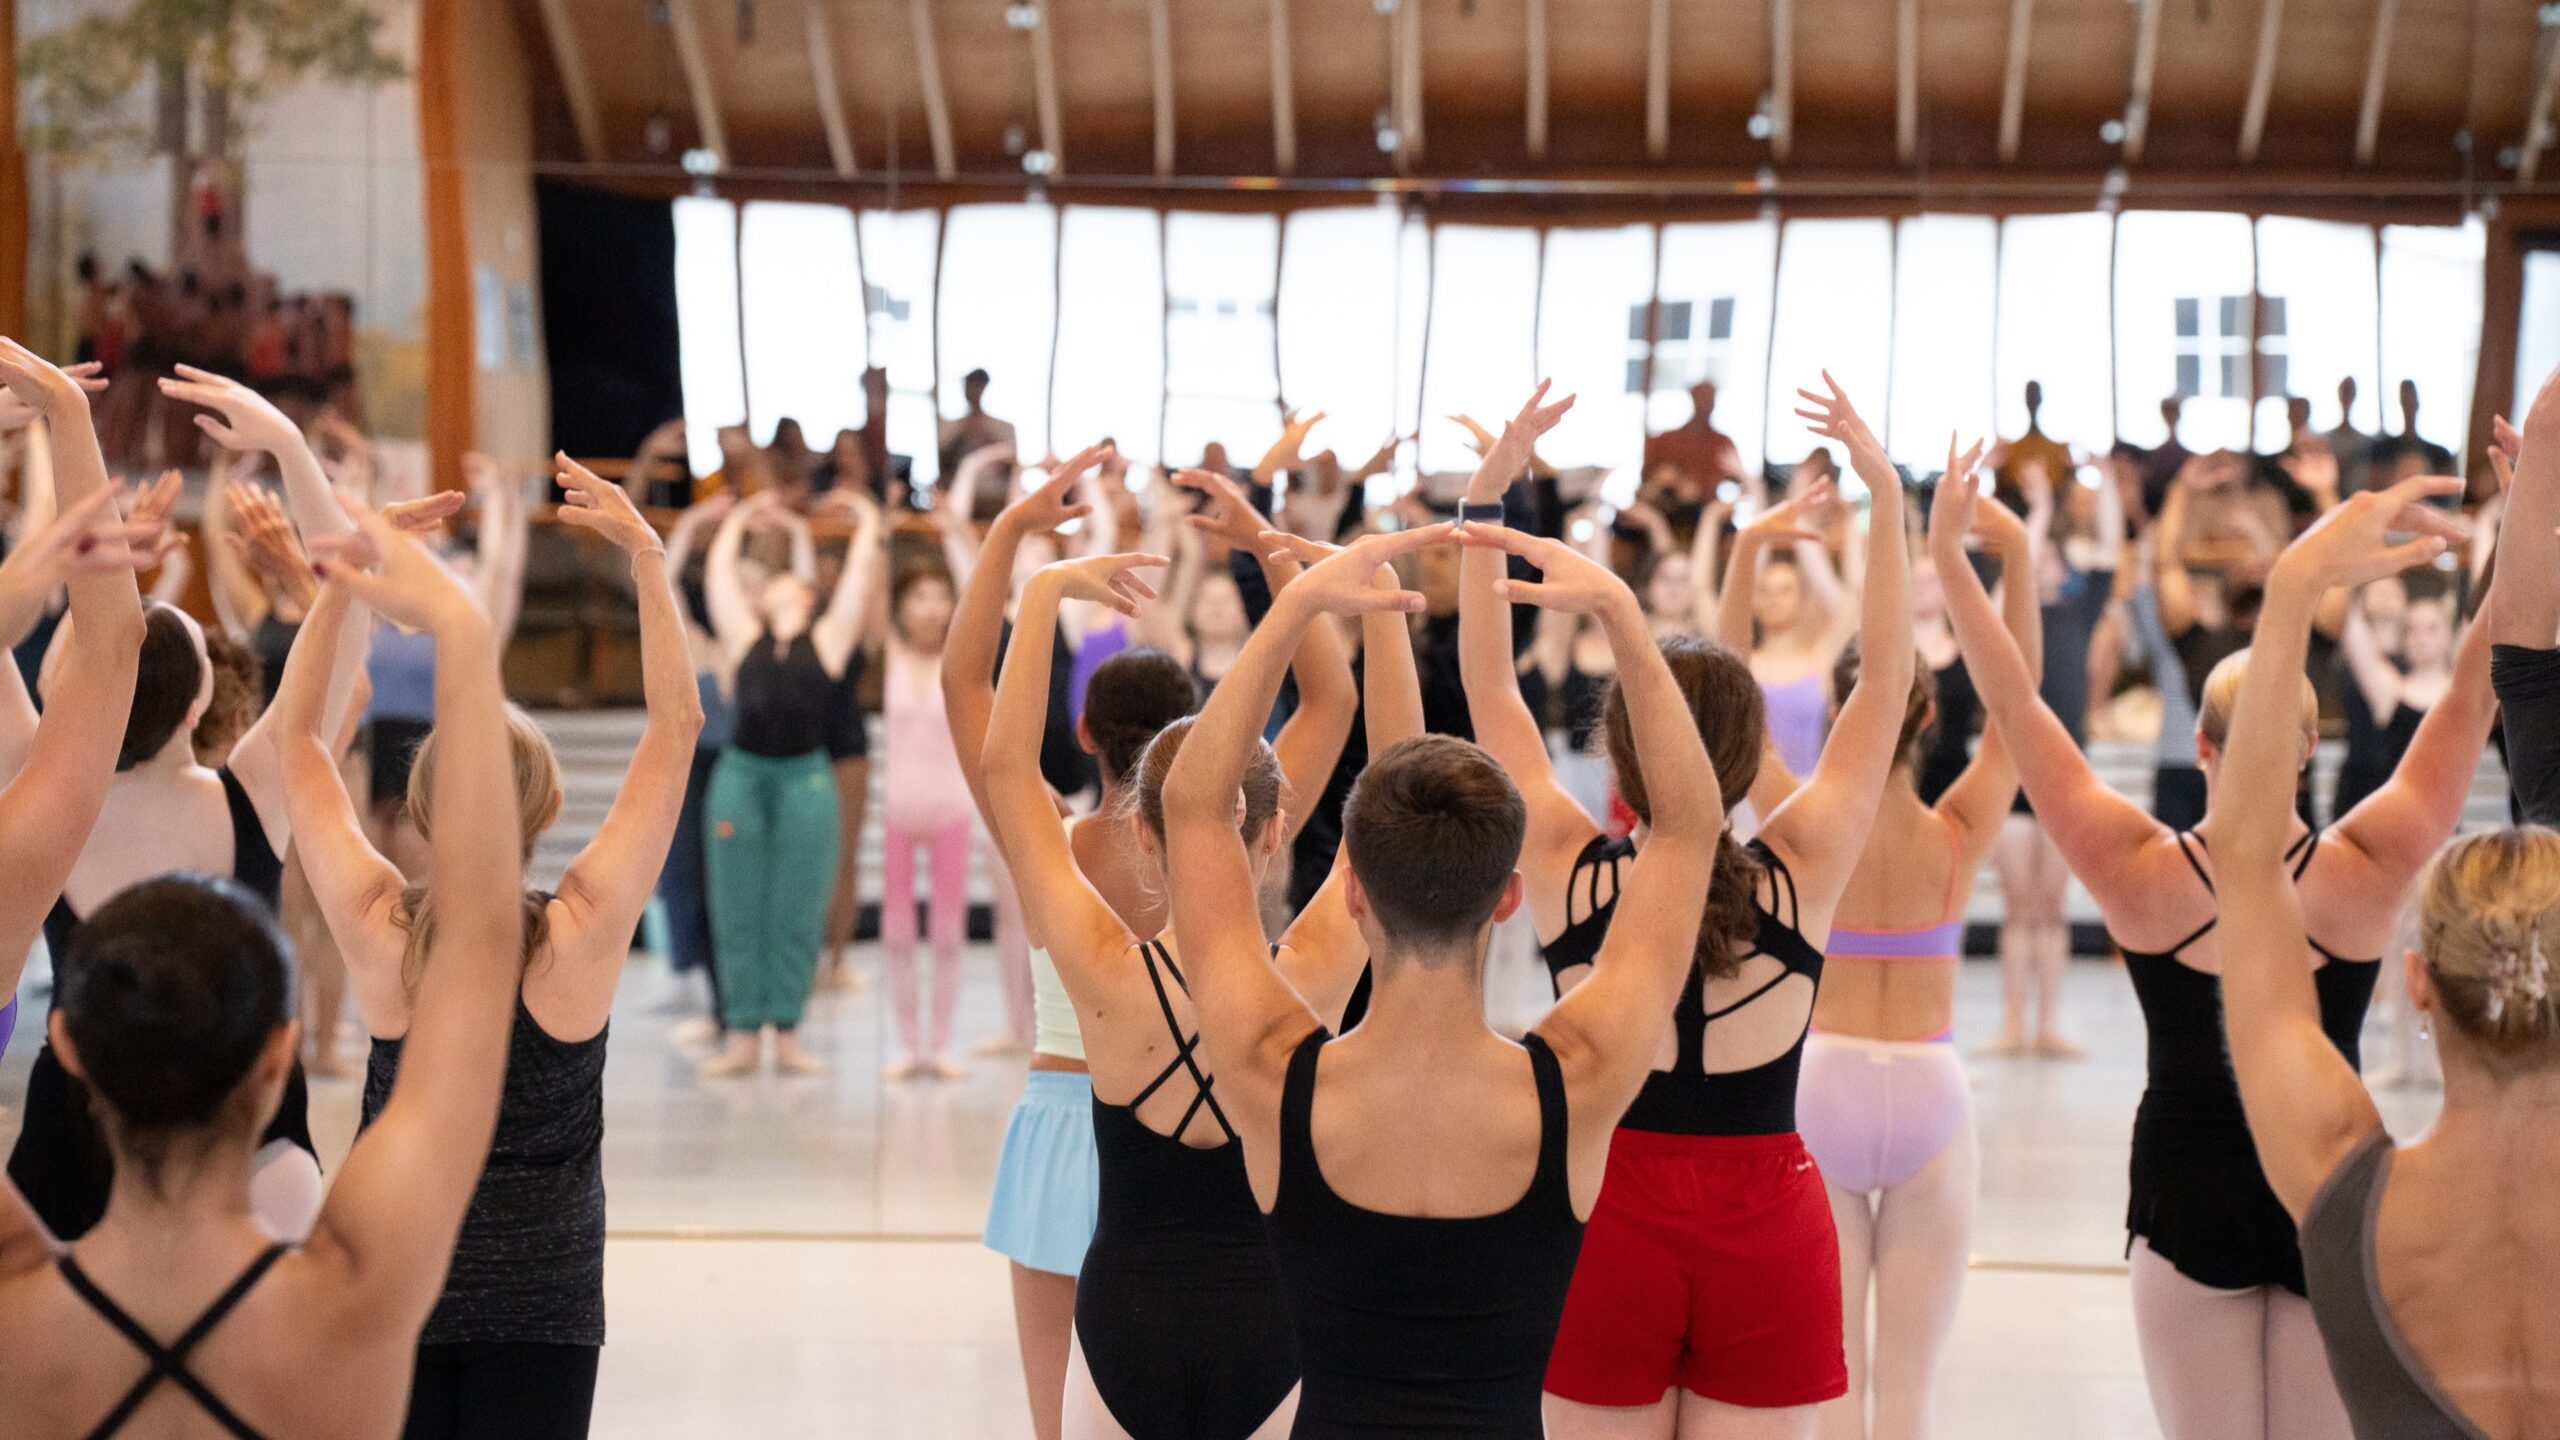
[783, 700]
[1944, 750]
[1415, 1326]
[529, 1267]
[272, 641]
[1686, 1099]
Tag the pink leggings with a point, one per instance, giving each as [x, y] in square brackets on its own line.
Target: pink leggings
[947, 906]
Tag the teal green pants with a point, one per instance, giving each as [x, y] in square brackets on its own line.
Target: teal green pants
[770, 843]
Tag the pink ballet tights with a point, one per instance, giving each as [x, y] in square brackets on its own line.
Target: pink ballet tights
[946, 921]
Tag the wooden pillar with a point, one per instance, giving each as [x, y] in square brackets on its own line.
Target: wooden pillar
[2493, 384]
[451, 412]
[13, 185]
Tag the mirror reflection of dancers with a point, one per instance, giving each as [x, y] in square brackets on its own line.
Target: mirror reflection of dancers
[771, 809]
[2217, 1275]
[167, 813]
[520, 1324]
[2428, 1263]
[1885, 1105]
[1180, 1326]
[176, 1007]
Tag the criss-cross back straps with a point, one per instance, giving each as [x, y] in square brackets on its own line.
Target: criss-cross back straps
[2300, 853]
[1185, 1047]
[169, 1362]
[1589, 868]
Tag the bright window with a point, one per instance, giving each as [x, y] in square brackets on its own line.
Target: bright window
[1946, 269]
[1484, 286]
[2431, 325]
[1590, 338]
[1110, 376]
[801, 291]
[1717, 288]
[2183, 324]
[2056, 328]
[2538, 333]
[999, 306]
[1834, 312]
[1338, 350]
[2320, 278]
[712, 373]
[897, 274]
[1222, 376]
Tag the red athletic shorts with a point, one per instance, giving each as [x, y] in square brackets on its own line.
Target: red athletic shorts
[1711, 1264]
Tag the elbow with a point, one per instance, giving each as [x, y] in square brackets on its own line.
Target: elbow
[119, 639]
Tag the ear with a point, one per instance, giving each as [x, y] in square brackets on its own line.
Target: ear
[2421, 987]
[57, 1032]
[1514, 890]
[2206, 753]
[1275, 835]
[1355, 902]
[1084, 738]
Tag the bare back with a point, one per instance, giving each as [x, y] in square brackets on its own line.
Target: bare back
[1913, 876]
[2465, 1270]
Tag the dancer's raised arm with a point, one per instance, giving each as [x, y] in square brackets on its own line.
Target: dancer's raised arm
[2306, 1106]
[49, 806]
[1787, 523]
[1822, 827]
[1606, 1030]
[838, 628]
[1978, 800]
[1250, 1017]
[1311, 740]
[1558, 828]
[2525, 623]
[398, 1202]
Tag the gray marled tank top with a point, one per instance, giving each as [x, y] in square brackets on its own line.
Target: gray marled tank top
[529, 1267]
[2388, 1393]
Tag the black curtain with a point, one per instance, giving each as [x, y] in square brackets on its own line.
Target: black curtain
[609, 312]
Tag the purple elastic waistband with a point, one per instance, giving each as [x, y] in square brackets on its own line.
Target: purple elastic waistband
[1938, 942]
[8, 1024]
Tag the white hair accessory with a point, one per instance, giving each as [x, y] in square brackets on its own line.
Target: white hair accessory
[2524, 974]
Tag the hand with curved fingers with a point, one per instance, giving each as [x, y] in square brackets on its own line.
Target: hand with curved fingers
[425, 513]
[85, 539]
[37, 387]
[404, 583]
[153, 510]
[1045, 507]
[1832, 417]
[590, 502]
[1800, 516]
[1225, 512]
[1569, 581]
[1953, 509]
[1506, 458]
[2314, 467]
[1294, 429]
[242, 418]
[265, 541]
[2351, 544]
[1479, 439]
[1344, 580]
[1105, 580]
[16, 413]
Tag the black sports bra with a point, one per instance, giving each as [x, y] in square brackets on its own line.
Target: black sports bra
[1688, 1099]
[169, 1362]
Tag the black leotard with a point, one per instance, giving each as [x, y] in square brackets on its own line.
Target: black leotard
[169, 1362]
[2374, 749]
[1582, 695]
[783, 700]
[1687, 1099]
[1944, 751]
[1414, 1326]
[1178, 1307]
[61, 1160]
[2199, 1198]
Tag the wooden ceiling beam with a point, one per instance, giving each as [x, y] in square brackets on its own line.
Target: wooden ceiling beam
[1044, 88]
[1906, 81]
[2146, 62]
[1537, 102]
[1160, 61]
[2262, 80]
[2537, 121]
[937, 110]
[2377, 70]
[1782, 78]
[577, 87]
[822, 77]
[697, 78]
[2013, 82]
[1284, 100]
[1657, 79]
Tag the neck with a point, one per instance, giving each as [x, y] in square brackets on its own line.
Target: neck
[179, 754]
[200, 1192]
[1428, 1007]
[2510, 1111]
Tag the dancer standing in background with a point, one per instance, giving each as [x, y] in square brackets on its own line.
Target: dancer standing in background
[927, 808]
[1885, 1105]
[2227, 1340]
[772, 803]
